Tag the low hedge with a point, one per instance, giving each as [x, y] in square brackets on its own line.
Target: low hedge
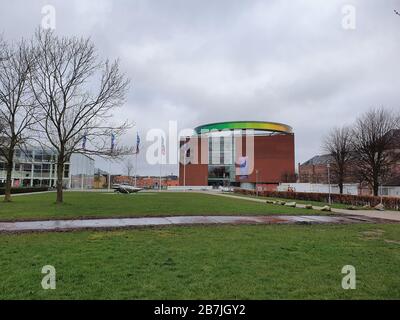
[392, 203]
[25, 190]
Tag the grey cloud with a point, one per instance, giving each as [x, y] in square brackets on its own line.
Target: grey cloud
[205, 61]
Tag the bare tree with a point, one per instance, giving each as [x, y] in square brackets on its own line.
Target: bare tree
[338, 144]
[289, 177]
[129, 166]
[17, 104]
[373, 142]
[75, 112]
[2, 134]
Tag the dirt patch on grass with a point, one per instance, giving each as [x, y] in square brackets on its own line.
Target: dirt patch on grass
[392, 241]
[105, 235]
[373, 234]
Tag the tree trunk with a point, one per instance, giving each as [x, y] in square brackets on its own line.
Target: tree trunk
[9, 167]
[60, 174]
[375, 182]
[340, 187]
[375, 188]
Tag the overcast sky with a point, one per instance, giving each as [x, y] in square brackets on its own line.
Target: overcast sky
[200, 61]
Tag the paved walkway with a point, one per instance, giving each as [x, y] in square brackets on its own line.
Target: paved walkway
[344, 217]
[389, 215]
[60, 225]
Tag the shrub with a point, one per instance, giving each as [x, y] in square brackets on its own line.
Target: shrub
[25, 190]
[352, 200]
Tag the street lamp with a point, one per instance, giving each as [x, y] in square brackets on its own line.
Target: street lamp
[329, 182]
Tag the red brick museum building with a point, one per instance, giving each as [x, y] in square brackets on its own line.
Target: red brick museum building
[242, 154]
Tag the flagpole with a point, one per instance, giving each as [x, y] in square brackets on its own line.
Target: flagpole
[83, 147]
[184, 146]
[136, 154]
[135, 167]
[184, 176]
[109, 165]
[162, 153]
[160, 175]
[184, 171]
[109, 176]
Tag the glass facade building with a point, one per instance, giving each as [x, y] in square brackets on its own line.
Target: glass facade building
[37, 167]
[81, 171]
[221, 160]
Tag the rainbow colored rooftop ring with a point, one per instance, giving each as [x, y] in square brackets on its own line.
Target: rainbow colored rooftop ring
[245, 125]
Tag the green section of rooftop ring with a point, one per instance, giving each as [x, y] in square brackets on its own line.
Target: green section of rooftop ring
[245, 125]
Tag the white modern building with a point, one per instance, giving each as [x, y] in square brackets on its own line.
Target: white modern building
[37, 167]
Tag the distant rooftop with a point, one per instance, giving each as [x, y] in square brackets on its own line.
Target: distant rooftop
[397, 138]
[318, 160]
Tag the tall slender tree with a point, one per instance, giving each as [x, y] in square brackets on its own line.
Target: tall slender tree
[78, 95]
[17, 104]
[338, 144]
[129, 166]
[374, 137]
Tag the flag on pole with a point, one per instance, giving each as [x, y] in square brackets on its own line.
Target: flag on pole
[112, 142]
[187, 149]
[137, 142]
[162, 146]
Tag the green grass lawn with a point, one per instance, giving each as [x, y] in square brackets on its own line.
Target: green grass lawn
[92, 204]
[218, 262]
